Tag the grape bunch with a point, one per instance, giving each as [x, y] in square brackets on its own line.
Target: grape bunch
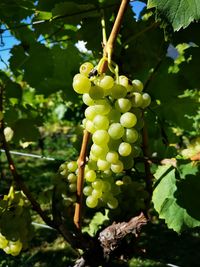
[114, 118]
[15, 223]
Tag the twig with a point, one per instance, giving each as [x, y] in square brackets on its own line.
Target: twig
[80, 179]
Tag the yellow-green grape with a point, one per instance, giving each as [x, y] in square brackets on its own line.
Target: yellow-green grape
[72, 166]
[146, 100]
[112, 203]
[100, 137]
[91, 201]
[90, 176]
[123, 80]
[128, 120]
[136, 99]
[81, 84]
[117, 167]
[124, 149]
[137, 85]
[118, 91]
[96, 92]
[123, 104]
[3, 241]
[87, 99]
[116, 131]
[85, 68]
[101, 122]
[71, 178]
[106, 82]
[8, 132]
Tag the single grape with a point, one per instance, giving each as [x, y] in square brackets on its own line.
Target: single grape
[96, 193]
[116, 131]
[90, 175]
[99, 151]
[123, 80]
[112, 203]
[114, 116]
[91, 201]
[96, 92]
[72, 166]
[87, 190]
[101, 122]
[102, 106]
[72, 187]
[123, 104]
[146, 100]
[106, 186]
[89, 126]
[137, 85]
[90, 112]
[81, 84]
[71, 178]
[118, 91]
[106, 82]
[100, 137]
[130, 135]
[87, 100]
[136, 99]
[103, 165]
[128, 120]
[117, 167]
[85, 68]
[112, 157]
[98, 184]
[124, 149]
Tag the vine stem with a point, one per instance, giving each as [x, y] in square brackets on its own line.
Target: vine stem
[107, 52]
[16, 176]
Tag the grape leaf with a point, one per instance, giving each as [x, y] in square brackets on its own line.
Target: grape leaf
[168, 207]
[180, 13]
[96, 222]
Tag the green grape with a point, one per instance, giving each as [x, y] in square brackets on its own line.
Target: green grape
[90, 112]
[71, 178]
[130, 135]
[87, 190]
[100, 137]
[103, 165]
[87, 100]
[146, 100]
[137, 85]
[98, 184]
[81, 84]
[114, 144]
[101, 122]
[123, 80]
[93, 157]
[96, 92]
[112, 157]
[72, 187]
[136, 100]
[106, 186]
[102, 106]
[72, 166]
[124, 149]
[123, 104]
[99, 151]
[128, 120]
[90, 175]
[91, 201]
[112, 203]
[117, 167]
[85, 68]
[106, 82]
[89, 126]
[96, 193]
[114, 116]
[118, 91]
[92, 165]
[116, 130]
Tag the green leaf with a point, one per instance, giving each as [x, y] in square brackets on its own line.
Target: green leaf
[180, 13]
[13, 90]
[169, 208]
[97, 221]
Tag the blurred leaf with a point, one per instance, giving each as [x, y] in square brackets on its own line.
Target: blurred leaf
[25, 130]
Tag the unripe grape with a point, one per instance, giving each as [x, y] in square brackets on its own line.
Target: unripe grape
[71, 178]
[146, 100]
[118, 91]
[85, 68]
[90, 112]
[128, 120]
[98, 184]
[72, 187]
[87, 100]
[89, 126]
[100, 137]
[117, 167]
[116, 131]
[81, 84]
[106, 82]
[123, 104]
[87, 190]
[114, 116]
[112, 157]
[130, 135]
[123, 80]
[72, 166]
[102, 106]
[136, 100]
[112, 203]
[90, 176]
[106, 186]
[99, 151]
[124, 149]
[96, 92]
[101, 122]
[91, 201]
[103, 165]
[96, 193]
[137, 85]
